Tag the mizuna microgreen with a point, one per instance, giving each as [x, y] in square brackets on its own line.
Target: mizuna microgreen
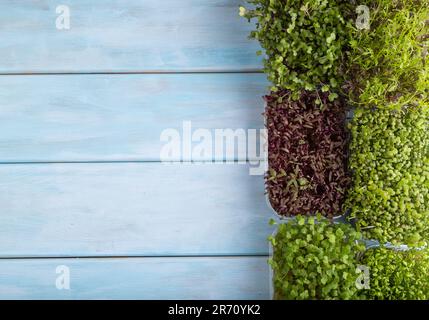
[388, 64]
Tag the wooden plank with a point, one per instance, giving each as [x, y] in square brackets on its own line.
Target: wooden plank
[121, 117]
[131, 209]
[137, 278]
[124, 36]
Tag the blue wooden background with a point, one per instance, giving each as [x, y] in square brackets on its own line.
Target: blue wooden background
[81, 182]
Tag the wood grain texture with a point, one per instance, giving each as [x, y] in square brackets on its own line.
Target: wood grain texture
[121, 117]
[131, 209]
[170, 223]
[138, 278]
[125, 36]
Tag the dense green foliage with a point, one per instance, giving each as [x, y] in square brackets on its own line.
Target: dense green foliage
[315, 46]
[315, 259]
[397, 275]
[390, 163]
[388, 62]
[303, 42]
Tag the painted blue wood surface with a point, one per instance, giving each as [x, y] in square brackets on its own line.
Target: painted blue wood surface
[130, 209]
[121, 117]
[125, 36]
[138, 278]
[153, 212]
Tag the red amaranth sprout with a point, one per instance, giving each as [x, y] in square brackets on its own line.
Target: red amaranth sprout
[307, 154]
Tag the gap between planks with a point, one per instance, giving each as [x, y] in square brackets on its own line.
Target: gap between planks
[71, 73]
[196, 162]
[222, 256]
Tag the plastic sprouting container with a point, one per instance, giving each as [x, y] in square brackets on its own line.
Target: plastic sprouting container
[369, 244]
